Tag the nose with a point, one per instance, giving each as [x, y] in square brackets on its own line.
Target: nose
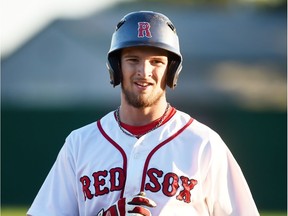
[144, 69]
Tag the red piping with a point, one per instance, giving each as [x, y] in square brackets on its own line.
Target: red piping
[158, 147]
[119, 149]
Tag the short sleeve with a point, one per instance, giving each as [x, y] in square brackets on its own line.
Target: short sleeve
[227, 190]
[57, 195]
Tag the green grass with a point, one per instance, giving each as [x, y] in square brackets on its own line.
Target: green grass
[21, 211]
[13, 211]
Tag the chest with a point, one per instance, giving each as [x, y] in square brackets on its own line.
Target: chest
[164, 168]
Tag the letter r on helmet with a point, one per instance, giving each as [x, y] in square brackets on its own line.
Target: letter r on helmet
[144, 30]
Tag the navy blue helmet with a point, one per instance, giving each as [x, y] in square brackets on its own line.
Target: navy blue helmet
[145, 28]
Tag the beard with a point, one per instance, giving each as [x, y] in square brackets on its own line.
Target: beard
[141, 100]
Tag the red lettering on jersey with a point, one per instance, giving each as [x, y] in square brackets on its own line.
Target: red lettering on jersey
[153, 175]
[120, 175]
[144, 30]
[85, 187]
[188, 185]
[100, 182]
[170, 184]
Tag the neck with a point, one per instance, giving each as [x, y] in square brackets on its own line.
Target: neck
[141, 116]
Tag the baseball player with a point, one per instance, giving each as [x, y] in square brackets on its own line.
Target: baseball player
[146, 157]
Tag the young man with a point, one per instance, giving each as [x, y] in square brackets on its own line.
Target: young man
[145, 158]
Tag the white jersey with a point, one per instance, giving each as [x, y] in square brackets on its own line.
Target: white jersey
[183, 166]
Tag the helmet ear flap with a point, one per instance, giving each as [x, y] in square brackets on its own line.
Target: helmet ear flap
[174, 70]
[114, 69]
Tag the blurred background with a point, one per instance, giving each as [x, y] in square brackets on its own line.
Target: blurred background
[54, 80]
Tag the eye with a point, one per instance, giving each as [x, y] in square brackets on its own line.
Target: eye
[132, 59]
[158, 62]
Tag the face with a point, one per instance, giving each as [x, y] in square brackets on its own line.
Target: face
[143, 75]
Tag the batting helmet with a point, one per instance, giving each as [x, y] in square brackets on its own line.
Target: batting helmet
[145, 28]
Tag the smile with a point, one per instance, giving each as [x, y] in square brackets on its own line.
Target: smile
[143, 84]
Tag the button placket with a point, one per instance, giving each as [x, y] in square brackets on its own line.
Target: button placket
[136, 161]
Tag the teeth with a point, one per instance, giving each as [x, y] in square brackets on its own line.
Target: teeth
[143, 84]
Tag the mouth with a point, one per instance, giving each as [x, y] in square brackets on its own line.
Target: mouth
[142, 85]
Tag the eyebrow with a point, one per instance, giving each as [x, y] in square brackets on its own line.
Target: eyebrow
[125, 55]
[129, 55]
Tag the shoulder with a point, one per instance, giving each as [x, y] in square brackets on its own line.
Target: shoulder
[199, 130]
[89, 130]
[196, 125]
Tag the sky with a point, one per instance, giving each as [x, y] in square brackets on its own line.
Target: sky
[20, 20]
